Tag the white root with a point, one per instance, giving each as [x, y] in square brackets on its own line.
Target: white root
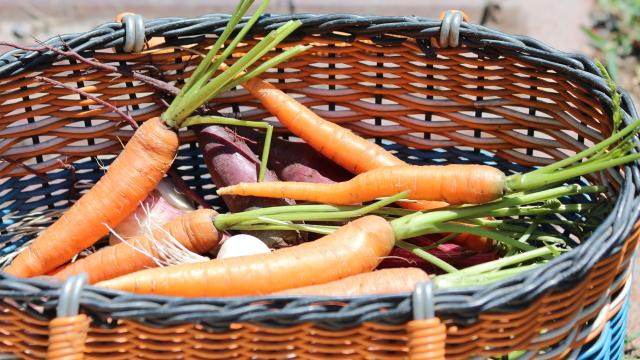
[169, 250]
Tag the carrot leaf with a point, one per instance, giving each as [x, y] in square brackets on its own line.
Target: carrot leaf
[202, 85]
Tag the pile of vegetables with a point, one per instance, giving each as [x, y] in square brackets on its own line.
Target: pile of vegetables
[332, 214]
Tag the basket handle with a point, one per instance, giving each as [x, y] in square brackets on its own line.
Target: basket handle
[427, 334]
[68, 331]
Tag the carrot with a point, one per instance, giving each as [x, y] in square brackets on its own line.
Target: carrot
[149, 154]
[354, 248]
[337, 143]
[129, 179]
[387, 281]
[348, 150]
[455, 184]
[194, 230]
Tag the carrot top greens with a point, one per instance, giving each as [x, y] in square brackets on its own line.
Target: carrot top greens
[200, 87]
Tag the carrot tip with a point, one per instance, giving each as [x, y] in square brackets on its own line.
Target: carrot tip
[227, 190]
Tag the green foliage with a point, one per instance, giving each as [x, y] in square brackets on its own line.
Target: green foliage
[616, 31]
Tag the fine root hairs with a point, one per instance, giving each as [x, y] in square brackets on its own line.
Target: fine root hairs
[169, 251]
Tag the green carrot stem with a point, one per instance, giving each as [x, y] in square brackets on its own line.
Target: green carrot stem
[225, 220]
[476, 230]
[200, 95]
[509, 224]
[426, 256]
[549, 239]
[419, 223]
[480, 279]
[629, 129]
[304, 227]
[505, 225]
[271, 63]
[317, 229]
[516, 229]
[540, 210]
[507, 261]
[201, 120]
[203, 66]
[234, 43]
[615, 96]
[253, 55]
[534, 180]
[529, 231]
[526, 235]
[265, 153]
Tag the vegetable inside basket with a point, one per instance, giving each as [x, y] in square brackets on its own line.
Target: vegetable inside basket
[494, 99]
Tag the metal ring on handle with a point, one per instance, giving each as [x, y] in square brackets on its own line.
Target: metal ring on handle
[450, 28]
[70, 292]
[134, 36]
[422, 299]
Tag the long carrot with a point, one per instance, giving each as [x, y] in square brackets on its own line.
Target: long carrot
[193, 230]
[133, 174]
[356, 247]
[148, 155]
[387, 281]
[455, 184]
[337, 143]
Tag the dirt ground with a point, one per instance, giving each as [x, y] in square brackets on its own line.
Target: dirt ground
[554, 22]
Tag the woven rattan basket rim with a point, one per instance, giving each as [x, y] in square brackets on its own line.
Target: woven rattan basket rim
[467, 303]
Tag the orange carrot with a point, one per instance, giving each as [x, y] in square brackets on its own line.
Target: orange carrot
[134, 173]
[149, 154]
[455, 184]
[387, 281]
[356, 247]
[347, 149]
[194, 230]
[350, 151]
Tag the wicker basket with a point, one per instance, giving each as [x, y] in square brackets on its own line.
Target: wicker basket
[611, 342]
[498, 99]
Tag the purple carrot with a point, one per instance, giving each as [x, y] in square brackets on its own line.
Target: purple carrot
[295, 161]
[230, 161]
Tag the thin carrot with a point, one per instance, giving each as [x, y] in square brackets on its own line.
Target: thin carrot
[387, 281]
[455, 184]
[193, 230]
[133, 174]
[337, 143]
[356, 247]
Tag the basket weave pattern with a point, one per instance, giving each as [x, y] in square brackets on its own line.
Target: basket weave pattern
[501, 100]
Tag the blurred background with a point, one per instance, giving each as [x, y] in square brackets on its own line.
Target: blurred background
[605, 29]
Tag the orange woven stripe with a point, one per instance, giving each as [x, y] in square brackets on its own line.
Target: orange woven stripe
[67, 337]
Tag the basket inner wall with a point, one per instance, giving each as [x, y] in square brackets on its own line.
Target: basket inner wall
[434, 106]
